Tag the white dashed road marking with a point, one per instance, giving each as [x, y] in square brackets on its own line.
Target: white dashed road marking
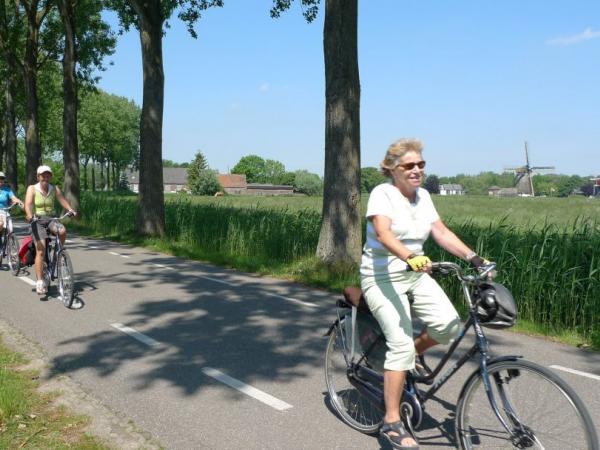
[293, 300]
[257, 394]
[216, 280]
[27, 280]
[577, 372]
[135, 334]
[118, 254]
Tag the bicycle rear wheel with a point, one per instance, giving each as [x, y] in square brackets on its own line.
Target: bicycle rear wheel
[352, 407]
[12, 249]
[65, 278]
[542, 411]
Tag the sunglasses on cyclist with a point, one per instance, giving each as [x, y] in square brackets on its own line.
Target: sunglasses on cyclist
[411, 165]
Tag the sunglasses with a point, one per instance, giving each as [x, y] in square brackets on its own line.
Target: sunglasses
[412, 165]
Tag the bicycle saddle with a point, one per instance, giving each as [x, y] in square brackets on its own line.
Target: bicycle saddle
[354, 296]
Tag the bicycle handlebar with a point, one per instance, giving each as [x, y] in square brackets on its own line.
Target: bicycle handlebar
[67, 214]
[11, 206]
[444, 268]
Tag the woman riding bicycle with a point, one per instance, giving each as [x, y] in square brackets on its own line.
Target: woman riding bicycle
[7, 198]
[39, 202]
[400, 217]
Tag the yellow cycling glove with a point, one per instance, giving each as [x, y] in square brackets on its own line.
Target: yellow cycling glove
[417, 262]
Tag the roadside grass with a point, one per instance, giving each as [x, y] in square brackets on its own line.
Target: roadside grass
[550, 265]
[28, 420]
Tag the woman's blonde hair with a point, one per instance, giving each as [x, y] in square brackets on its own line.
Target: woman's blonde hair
[396, 151]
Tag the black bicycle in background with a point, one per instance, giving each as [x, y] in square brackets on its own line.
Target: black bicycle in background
[9, 243]
[57, 266]
[506, 403]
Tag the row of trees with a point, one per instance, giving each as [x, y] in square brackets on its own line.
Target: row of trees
[39, 44]
[259, 170]
[204, 181]
[553, 185]
[71, 34]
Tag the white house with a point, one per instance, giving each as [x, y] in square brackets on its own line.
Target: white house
[451, 189]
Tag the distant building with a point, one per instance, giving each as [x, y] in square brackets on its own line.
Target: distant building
[269, 189]
[174, 180]
[496, 191]
[233, 184]
[493, 191]
[451, 189]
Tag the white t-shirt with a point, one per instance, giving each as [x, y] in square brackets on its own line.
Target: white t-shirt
[411, 225]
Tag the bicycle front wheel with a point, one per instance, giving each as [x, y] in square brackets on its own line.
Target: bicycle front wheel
[12, 249]
[65, 278]
[350, 404]
[540, 409]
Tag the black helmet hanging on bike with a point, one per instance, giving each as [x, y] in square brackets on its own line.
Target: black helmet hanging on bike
[496, 306]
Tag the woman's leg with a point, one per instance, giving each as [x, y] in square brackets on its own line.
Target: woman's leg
[389, 306]
[434, 308]
[423, 341]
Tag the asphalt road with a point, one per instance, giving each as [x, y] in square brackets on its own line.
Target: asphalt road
[162, 340]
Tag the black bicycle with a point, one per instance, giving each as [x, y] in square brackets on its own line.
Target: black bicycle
[57, 266]
[9, 243]
[507, 402]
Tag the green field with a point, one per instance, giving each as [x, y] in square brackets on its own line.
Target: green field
[523, 212]
[546, 248]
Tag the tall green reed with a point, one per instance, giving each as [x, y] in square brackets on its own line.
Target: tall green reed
[552, 270]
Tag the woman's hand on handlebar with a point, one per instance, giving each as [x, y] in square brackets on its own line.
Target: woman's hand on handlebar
[419, 263]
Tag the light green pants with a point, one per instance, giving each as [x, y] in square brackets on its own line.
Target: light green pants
[387, 300]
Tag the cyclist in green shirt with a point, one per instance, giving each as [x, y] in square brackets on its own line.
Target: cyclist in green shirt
[39, 202]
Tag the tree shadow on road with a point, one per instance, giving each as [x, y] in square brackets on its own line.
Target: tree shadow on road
[242, 329]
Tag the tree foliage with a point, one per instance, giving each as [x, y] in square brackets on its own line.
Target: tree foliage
[198, 165]
[259, 170]
[205, 182]
[108, 130]
[169, 163]
[432, 184]
[308, 183]
[369, 178]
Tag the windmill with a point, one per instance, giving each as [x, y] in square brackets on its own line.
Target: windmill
[524, 174]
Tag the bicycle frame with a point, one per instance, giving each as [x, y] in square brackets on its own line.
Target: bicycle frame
[370, 382]
[7, 230]
[51, 257]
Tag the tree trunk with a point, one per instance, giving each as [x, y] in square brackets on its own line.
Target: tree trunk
[71, 185]
[85, 173]
[93, 175]
[10, 126]
[33, 148]
[107, 183]
[102, 183]
[340, 238]
[151, 211]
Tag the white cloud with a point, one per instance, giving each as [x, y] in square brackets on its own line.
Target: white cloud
[264, 87]
[585, 35]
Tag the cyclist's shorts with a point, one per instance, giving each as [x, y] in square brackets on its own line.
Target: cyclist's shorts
[2, 217]
[42, 229]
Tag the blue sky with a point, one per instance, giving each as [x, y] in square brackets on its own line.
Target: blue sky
[472, 79]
